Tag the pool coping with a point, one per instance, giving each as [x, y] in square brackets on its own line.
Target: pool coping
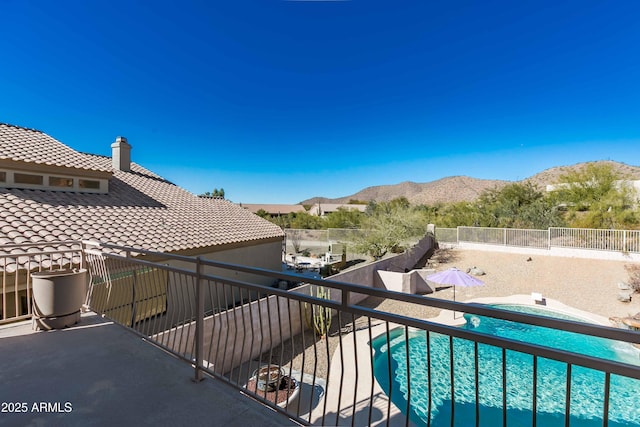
[447, 317]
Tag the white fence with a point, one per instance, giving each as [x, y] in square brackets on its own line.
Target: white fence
[626, 241]
[604, 240]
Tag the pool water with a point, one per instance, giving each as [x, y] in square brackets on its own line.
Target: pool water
[587, 385]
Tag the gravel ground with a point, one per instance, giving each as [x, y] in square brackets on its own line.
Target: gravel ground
[586, 284]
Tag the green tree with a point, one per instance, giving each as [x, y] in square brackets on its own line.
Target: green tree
[305, 220]
[596, 196]
[217, 194]
[343, 218]
[588, 186]
[457, 214]
[517, 206]
[263, 214]
[387, 226]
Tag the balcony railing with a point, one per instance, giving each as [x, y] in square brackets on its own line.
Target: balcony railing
[17, 262]
[341, 362]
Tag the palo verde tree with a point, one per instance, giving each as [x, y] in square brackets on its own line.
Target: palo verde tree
[596, 196]
[456, 214]
[517, 205]
[305, 220]
[343, 218]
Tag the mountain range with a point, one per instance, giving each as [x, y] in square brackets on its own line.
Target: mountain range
[463, 188]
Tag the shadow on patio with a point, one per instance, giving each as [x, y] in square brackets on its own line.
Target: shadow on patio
[99, 373]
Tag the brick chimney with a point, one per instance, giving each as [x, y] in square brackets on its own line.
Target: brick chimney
[121, 154]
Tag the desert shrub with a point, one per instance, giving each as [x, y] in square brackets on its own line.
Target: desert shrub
[634, 276]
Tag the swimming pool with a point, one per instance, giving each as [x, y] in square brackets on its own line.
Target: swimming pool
[587, 385]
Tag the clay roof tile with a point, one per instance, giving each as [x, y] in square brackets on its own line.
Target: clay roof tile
[141, 209]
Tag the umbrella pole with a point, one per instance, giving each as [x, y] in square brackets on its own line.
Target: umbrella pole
[454, 300]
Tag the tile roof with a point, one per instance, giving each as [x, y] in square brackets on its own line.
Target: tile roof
[141, 210]
[34, 146]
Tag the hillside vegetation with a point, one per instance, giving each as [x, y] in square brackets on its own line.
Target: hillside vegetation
[593, 195]
[465, 189]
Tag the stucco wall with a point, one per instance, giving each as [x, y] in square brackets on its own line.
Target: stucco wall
[413, 282]
[239, 335]
[267, 256]
[367, 275]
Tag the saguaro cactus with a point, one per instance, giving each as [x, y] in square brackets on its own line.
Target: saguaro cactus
[318, 316]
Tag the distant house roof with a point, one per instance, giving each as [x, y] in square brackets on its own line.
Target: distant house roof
[140, 209]
[274, 209]
[322, 209]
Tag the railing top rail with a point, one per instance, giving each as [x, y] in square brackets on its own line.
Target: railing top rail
[538, 350]
[483, 310]
[133, 250]
[37, 253]
[590, 229]
[498, 228]
[51, 244]
[613, 367]
[143, 262]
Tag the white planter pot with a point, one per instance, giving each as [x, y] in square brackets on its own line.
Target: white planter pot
[57, 297]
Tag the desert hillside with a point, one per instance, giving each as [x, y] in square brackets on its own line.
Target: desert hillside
[552, 175]
[462, 188]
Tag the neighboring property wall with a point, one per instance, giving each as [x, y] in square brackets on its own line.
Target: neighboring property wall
[239, 335]
[135, 296]
[368, 275]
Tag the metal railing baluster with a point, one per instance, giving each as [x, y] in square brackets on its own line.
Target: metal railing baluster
[567, 413]
[504, 387]
[128, 290]
[534, 392]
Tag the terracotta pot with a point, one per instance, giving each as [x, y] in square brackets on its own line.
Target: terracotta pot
[268, 377]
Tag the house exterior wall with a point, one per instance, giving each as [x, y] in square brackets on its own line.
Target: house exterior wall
[267, 256]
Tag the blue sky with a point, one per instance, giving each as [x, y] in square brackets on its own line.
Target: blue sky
[280, 101]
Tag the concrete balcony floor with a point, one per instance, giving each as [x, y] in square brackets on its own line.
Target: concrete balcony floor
[97, 373]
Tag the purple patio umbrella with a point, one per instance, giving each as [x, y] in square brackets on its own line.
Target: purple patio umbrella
[454, 277]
